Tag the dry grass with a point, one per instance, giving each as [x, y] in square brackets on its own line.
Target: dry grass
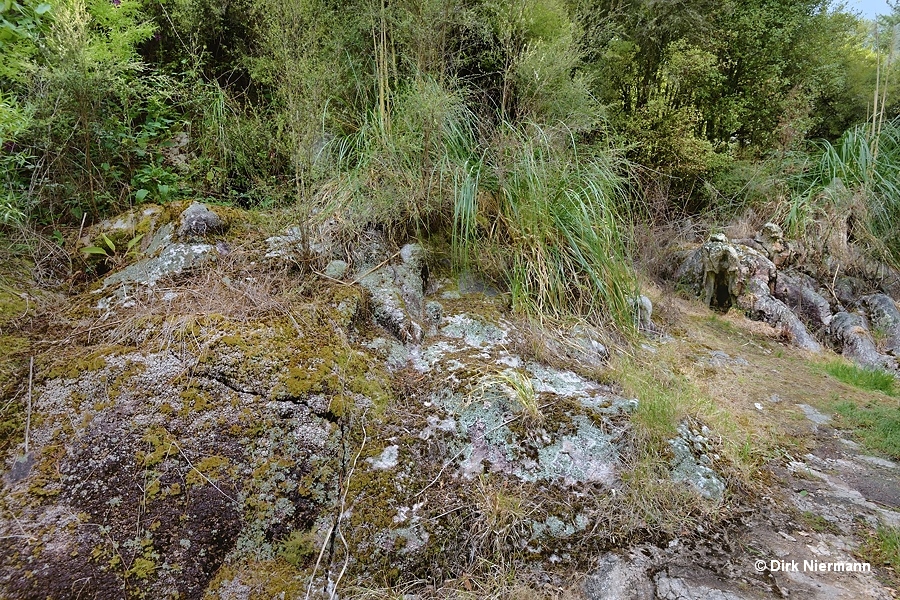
[777, 377]
[239, 287]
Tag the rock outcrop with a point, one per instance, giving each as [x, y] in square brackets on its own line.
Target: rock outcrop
[373, 410]
[725, 274]
[747, 274]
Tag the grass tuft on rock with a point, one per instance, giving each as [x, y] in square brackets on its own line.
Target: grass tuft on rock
[548, 221]
[528, 206]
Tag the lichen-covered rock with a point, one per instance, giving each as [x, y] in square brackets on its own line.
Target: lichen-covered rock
[669, 586]
[848, 290]
[713, 272]
[176, 451]
[199, 221]
[642, 308]
[398, 294]
[798, 294]
[759, 303]
[292, 244]
[726, 274]
[690, 463]
[849, 332]
[141, 483]
[618, 579]
[336, 269]
[172, 260]
[885, 318]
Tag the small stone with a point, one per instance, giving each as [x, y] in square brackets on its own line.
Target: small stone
[434, 312]
[642, 309]
[786, 536]
[198, 221]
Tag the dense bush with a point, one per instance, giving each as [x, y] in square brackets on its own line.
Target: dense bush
[522, 129]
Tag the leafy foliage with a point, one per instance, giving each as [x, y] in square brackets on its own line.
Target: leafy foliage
[522, 129]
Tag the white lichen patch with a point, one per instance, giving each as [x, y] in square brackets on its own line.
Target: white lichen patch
[395, 354]
[424, 360]
[435, 424]
[475, 332]
[587, 456]
[565, 384]
[386, 460]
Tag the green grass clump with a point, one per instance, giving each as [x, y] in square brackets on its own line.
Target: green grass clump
[549, 221]
[878, 427]
[526, 206]
[860, 165]
[883, 547]
[874, 380]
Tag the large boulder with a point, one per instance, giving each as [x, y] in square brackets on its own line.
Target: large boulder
[885, 319]
[713, 272]
[724, 274]
[798, 293]
[849, 333]
[199, 221]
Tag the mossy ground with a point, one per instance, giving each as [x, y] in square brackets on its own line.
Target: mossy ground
[182, 441]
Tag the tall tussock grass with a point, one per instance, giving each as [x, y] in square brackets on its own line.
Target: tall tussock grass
[860, 171]
[525, 205]
[399, 169]
[549, 221]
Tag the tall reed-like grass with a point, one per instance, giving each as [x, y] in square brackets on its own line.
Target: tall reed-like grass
[552, 222]
[857, 165]
[525, 206]
[403, 172]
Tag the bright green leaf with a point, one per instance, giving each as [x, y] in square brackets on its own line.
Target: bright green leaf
[109, 243]
[134, 241]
